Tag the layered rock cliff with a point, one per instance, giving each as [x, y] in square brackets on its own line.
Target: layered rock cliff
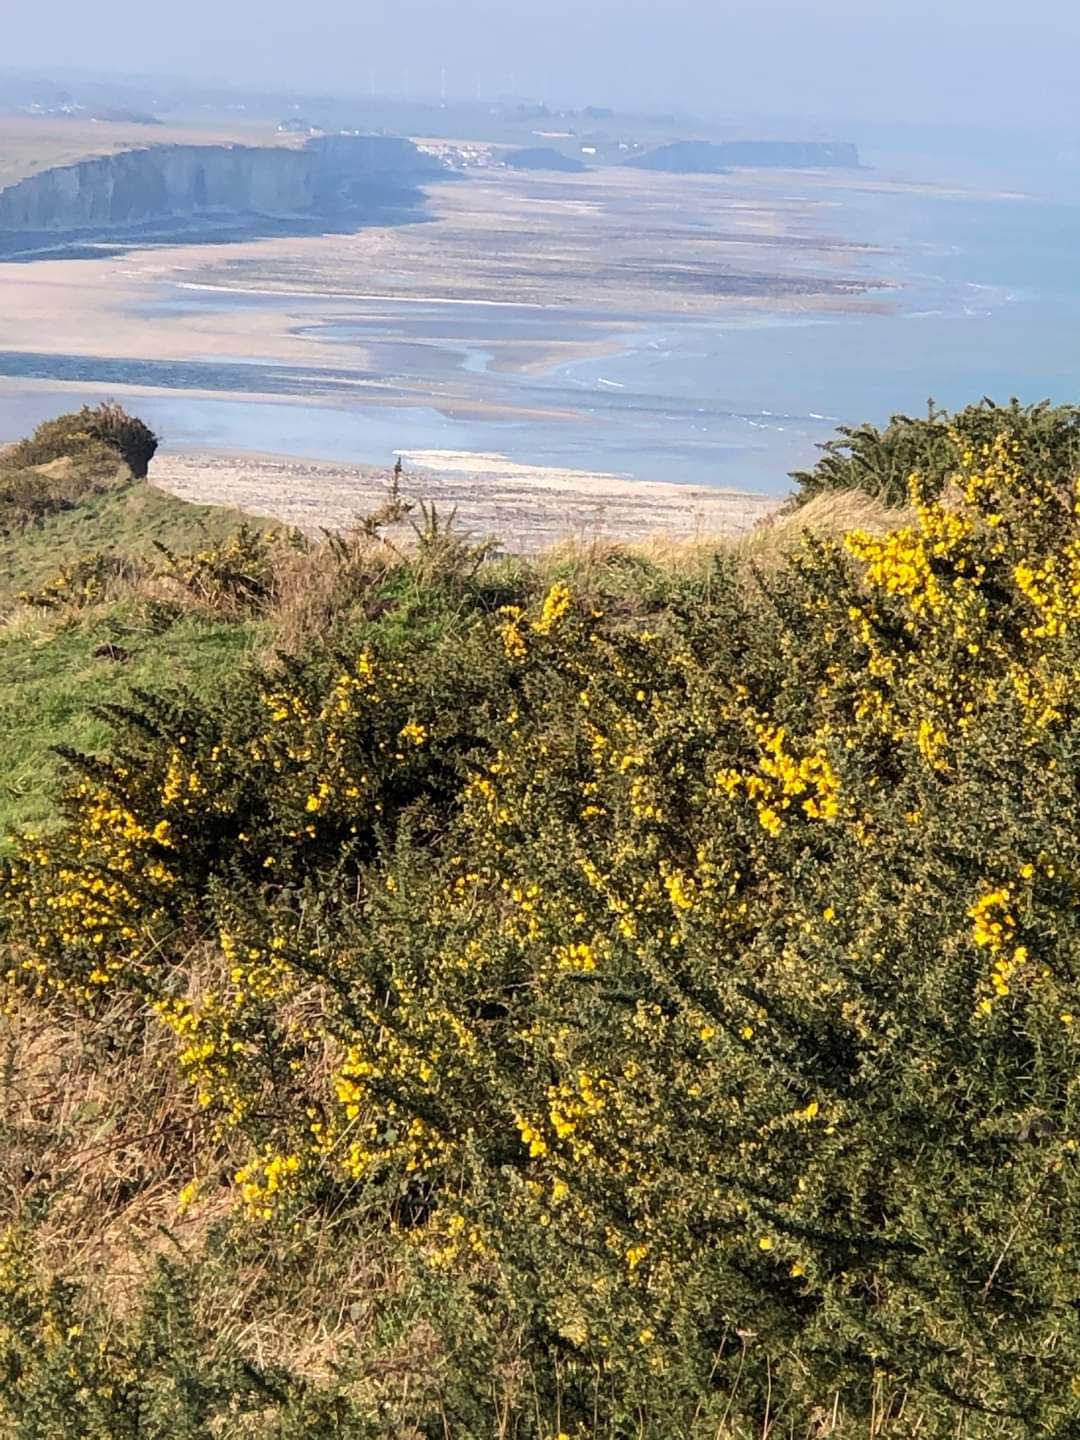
[137, 186]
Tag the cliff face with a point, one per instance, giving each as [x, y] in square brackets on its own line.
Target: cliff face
[351, 170]
[701, 157]
[191, 180]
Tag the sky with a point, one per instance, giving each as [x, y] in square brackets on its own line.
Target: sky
[992, 63]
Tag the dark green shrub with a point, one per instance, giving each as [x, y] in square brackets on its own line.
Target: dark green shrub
[881, 462]
[689, 992]
[95, 436]
[130, 437]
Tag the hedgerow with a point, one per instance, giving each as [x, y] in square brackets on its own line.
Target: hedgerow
[689, 989]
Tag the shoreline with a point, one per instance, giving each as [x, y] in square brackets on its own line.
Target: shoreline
[599, 272]
[468, 337]
[349, 400]
[526, 507]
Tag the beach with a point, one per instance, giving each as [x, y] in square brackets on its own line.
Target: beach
[709, 331]
[524, 508]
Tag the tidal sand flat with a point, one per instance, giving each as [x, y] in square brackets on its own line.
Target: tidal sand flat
[502, 316]
[703, 330]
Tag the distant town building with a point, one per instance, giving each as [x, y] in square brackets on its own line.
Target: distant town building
[460, 155]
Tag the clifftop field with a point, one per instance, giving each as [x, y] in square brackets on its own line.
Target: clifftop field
[32, 144]
[620, 994]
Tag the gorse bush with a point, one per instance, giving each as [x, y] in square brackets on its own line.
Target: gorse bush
[85, 582]
[69, 458]
[88, 435]
[881, 462]
[688, 989]
[159, 1373]
[237, 576]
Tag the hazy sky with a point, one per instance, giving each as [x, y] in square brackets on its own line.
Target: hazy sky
[994, 62]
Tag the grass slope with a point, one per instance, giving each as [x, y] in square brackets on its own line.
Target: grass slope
[57, 666]
[54, 676]
[124, 519]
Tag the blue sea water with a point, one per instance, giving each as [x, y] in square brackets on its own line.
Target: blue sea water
[989, 305]
[985, 300]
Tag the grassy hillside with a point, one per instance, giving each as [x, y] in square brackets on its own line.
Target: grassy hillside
[56, 675]
[617, 995]
[127, 518]
[85, 616]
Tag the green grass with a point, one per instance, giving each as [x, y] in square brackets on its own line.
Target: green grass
[125, 519]
[57, 668]
[30, 145]
[51, 683]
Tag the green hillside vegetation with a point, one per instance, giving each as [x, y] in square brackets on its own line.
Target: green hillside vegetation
[881, 462]
[127, 519]
[622, 994]
[76, 487]
[87, 614]
[56, 677]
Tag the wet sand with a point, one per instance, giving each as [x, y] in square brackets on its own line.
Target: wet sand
[471, 329]
[527, 508]
[619, 246]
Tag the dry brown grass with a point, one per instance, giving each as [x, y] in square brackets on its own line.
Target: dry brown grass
[98, 1121]
[827, 516]
[315, 585]
[585, 558]
[93, 1116]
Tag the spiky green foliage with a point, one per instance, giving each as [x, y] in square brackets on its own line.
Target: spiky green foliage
[648, 1004]
[881, 462]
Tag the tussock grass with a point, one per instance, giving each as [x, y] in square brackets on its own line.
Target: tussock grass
[827, 516]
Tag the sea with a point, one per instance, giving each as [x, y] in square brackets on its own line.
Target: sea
[983, 299]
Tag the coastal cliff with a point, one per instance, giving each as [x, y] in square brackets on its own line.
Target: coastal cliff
[699, 157]
[326, 177]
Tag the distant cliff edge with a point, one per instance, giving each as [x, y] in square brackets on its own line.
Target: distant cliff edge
[330, 176]
[702, 157]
